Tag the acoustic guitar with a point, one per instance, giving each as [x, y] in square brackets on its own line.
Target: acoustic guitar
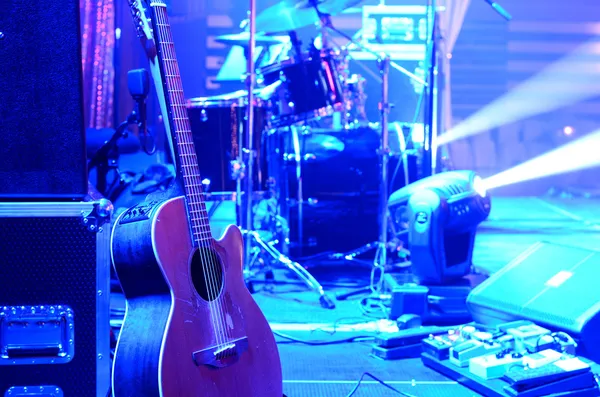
[191, 326]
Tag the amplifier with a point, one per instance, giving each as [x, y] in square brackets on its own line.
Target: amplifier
[42, 137]
[554, 286]
[54, 299]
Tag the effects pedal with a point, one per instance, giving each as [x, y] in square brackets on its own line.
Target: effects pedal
[396, 353]
[461, 353]
[494, 366]
[439, 346]
[539, 359]
[406, 343]
[552, 377]
[409, 336]
[528, 337]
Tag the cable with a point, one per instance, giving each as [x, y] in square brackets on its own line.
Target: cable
[324, 342]
[324, 285]
[380, 382]
[373, 307]
[315, 256]
[340, 322]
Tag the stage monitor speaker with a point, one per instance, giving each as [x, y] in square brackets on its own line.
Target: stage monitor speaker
[555, 286]
[42, 142]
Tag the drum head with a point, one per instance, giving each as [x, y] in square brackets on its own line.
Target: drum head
[236, 98]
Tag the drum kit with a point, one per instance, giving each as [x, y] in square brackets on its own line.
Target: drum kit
[255, 143]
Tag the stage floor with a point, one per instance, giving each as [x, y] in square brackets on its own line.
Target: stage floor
[333, 370]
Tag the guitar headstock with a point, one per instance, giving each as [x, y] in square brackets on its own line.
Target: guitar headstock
[143, 26]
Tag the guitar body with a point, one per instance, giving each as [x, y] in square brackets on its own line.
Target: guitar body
[192, 328]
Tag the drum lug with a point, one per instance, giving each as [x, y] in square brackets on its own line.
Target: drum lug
[237, 169]
[291, 157]
[247, 151]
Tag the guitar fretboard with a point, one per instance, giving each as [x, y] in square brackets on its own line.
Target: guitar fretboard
[180, 126]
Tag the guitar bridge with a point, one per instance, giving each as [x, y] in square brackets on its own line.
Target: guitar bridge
[221, 356]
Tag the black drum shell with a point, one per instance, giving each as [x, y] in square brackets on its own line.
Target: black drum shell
[305, 90]
[218, 127]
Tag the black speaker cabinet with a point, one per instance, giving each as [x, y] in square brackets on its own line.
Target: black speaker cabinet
[555, 286]
[42, 142]
[54, 299]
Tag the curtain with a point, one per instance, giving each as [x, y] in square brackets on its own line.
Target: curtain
[450, 23]
[98, 45]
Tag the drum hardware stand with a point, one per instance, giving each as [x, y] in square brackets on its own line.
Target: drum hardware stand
[252, 240]
[380, 260]
[430, 124]
[300, 191]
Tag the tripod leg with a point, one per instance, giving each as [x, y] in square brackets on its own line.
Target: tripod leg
[295, 267]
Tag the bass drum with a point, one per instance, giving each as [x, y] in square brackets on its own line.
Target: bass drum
[338, 188]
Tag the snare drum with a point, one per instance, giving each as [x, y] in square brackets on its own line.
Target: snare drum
[303, 90]
[218, 128]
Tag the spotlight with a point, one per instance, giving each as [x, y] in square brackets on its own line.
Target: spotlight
[568, 130]
[441, 214]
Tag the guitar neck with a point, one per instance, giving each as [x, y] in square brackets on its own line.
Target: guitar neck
[181, 137]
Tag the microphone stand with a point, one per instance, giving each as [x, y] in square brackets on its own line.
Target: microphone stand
[499, 9]
[430, 122]
[106, 157]
[380, 260]
[253, 243]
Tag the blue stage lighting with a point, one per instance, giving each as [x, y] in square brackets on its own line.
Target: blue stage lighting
[479, 186]
[441, 214]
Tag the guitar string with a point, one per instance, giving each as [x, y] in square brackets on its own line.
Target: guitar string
[199, 206]
[188, 177]
[193, 194]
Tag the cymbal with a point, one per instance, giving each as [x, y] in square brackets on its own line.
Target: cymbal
[243, 38]
[290, 15]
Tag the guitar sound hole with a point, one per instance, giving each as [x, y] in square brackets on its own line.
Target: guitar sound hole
[207, 273]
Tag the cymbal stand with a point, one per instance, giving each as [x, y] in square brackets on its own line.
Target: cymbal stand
[254, 245]
[380, 260]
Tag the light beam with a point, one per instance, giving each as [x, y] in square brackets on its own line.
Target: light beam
[570, 80]
[578, 155]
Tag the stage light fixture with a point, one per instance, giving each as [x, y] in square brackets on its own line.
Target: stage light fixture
[441, 214]
[568, 130]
